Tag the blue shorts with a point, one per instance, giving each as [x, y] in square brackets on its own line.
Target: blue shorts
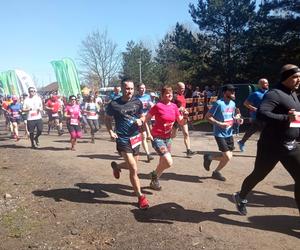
[162, 146]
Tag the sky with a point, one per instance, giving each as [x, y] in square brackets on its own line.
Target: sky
[36, 32]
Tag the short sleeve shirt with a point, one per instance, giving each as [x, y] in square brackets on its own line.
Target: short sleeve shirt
[165, 116]
[223, 112]
[255, 99]
[125, 115]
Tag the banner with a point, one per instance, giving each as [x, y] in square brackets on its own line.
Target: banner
[25, 81]
[67, 77]
[10, 83]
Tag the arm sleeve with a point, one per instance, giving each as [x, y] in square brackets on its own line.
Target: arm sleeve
[265, 111]
[213, 109]
[109, 110]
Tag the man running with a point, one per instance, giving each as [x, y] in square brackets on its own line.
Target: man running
[222, 115]
[277, 143]
[53, 106]
[180, 101]
[252, 103]
[14, 110]
[127, 112]
[34, 106]
[147, 104]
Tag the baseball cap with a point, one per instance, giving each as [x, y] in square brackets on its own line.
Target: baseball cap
[228, 87]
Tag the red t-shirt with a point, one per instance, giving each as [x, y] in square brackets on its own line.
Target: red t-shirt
[165, 116]
[55, 105]
[180, 101]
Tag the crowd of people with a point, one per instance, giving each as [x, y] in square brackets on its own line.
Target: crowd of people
[135, 119]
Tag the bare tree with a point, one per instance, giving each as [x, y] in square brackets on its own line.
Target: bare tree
[99, 58]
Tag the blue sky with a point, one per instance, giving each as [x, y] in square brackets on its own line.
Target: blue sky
[35, 32]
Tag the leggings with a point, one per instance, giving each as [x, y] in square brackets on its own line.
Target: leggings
[93, 125]
[266, 159]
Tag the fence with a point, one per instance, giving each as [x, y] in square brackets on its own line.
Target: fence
[197, 107]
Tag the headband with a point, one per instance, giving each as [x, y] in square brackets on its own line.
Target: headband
[286, 74]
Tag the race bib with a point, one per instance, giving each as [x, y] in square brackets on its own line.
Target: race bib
[229, 122]
[55, 115]
[33, 113]
[15, 114]
[135, 140]
[74, 121]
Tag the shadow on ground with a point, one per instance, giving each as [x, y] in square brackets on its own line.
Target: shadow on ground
[168, 213]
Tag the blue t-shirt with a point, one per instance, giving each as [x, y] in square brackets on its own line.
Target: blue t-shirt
[146, 101]
[114, 96]
[255, 99]
[125, 115]
[223, 112]
[15, 109]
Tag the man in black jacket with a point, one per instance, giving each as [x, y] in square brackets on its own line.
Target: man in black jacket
[277, 141]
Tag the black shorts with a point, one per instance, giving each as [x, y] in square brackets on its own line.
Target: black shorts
[126, 147]
[225, 143]
[32, 124]
[72, 128]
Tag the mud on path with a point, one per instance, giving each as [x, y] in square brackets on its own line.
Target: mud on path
[62, 199]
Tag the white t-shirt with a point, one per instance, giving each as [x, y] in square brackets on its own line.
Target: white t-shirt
[91, 110]
[35, 106]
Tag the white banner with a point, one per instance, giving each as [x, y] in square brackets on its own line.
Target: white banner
[25, 81]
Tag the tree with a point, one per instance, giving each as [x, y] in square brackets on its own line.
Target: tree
[136, 56]
[99, 58]
[225, 22]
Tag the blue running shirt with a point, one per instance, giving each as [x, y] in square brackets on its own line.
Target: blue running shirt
[223, 112]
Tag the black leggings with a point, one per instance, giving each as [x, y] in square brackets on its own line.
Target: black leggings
[266, 159]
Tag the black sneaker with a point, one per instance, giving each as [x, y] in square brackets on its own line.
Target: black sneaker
[116, 169]
[206, 162]
[218, 176]
[149, 158]
[189, 153]
[33, 146]
[240, 204]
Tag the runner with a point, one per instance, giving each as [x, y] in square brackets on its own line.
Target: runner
[33, 105]
[147, 104]
[127, 112]
[222, 115]
[252, 103]
[277, 142]
[14, 110]
[91, 112]
[4, 107]
[73, 114]
[180, 101]
[53, 106]
[166, 113]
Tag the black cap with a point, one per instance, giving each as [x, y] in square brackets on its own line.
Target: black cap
[228, 87]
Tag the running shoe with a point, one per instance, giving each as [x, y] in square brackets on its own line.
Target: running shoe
[154, 184]
[143, 202]
[116, 170]
[241, 146]
[206, 162]
[189, 153]
[218, 176]
[149, 158]
[240, 204]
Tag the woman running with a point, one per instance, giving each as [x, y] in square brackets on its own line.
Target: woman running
[91, 111]
[73, 114]
[15, 110]
[166, 113]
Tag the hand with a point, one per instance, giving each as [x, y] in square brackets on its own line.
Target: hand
[139, 122]
[292, 115]
[113, 134]
[150, 137]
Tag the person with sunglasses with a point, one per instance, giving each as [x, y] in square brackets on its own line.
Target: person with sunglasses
[73, 115]
[33, 105]
[222, 115]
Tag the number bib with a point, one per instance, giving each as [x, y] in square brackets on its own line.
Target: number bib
[135, 140]
[55, 115]
[74, 121]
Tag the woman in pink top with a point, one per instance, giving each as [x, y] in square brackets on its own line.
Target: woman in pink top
[166, 113]
[73, 114]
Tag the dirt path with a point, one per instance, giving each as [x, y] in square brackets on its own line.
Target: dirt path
[69, 200]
